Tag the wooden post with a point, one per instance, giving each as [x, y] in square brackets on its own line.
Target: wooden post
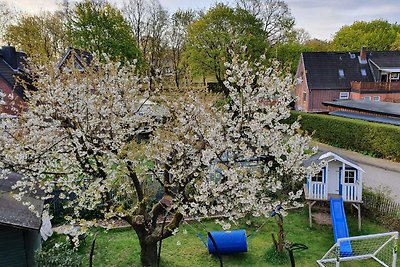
[310, 204]
[358, 207]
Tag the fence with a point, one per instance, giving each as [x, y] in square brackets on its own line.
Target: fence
[377, 203]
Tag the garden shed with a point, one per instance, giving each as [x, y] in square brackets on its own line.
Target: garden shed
[339, 178]
[19, 227]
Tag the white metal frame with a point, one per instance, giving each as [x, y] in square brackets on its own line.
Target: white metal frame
[336, 247]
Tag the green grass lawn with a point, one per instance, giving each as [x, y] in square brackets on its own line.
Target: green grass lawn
[121, 248]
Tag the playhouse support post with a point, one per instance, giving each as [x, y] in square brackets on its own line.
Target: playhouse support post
[358, 207]
[310, 204]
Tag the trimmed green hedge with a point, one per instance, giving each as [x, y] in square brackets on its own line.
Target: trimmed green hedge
[376, 139]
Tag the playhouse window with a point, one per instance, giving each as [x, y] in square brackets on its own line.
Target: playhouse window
[318, 178]
[349, 177]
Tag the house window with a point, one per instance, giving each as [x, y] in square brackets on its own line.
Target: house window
[341, 73]
[367, 98]
[394, 76]
[377, 98]
[349, 176]
[318, 178]
[363, 72]
[304, 96]
[344, 95]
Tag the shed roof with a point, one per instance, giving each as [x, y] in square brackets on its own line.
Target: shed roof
[384, 108]
[13, 212]
[385, 59]
[372, 118]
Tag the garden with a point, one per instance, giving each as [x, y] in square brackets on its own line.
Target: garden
[120, 247]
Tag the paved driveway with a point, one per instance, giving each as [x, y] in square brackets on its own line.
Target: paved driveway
[380, 174]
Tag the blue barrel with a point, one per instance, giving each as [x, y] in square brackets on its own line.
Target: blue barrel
[228, 242]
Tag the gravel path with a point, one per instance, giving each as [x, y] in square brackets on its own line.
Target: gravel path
[380, 174]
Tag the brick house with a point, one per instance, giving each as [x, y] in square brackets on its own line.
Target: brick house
[11, 69]
[329, 76]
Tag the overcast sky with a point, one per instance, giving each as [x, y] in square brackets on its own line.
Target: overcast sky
[321, 18]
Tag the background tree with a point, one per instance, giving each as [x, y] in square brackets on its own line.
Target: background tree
[212, 36]
[178, 32]
[275, 15]
[43, 37]
[149, 21]
[376, 35]
[7, 15]
[99, 27]
[317, 45]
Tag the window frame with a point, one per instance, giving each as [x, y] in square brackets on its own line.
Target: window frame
[367, 98]
[346, 171]
[396, 78]
[377, 98]
[314, 178]
[347, 95]
[341, 73]
[363, 72]
[304, 96]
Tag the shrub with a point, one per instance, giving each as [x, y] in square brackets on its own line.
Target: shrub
[376, 139]
[61, 254]
[276, 258]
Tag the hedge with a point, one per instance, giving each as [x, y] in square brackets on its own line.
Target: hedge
[375, 139]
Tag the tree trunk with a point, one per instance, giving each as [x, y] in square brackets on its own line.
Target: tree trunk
[148, 254]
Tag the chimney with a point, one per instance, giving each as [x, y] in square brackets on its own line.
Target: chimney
[363, 54]
[10, 56]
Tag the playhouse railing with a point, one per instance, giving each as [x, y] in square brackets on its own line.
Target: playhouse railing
[317, 191]
[351, 192]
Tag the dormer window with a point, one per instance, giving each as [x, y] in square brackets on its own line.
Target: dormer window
[364, 72]
[344, 95]
[341, 73]
[394, 76]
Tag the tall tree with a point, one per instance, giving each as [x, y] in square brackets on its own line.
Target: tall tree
[376, 35]
[43, 37]
[277, 20]
[215, 33]
[100, 27]
[149, 22]
[180, 22]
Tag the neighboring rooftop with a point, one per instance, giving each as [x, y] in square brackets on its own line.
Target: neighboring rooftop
[378, 107]
[12, 64]
[81, 58]
[336, 70]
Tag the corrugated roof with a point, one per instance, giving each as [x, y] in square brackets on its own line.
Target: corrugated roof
[385, 108]
[365, 117]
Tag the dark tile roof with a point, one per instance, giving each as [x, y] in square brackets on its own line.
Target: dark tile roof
[389, 59]
[83, 57]
[384, 108]
[8, 72]
[366, 117]
[13, 212]
[322, 68]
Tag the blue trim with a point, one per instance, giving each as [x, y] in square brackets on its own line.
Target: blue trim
[340, 179]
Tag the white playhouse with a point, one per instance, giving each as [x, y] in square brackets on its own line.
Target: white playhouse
[340, 177]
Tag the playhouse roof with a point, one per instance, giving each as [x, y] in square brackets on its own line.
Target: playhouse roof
[330, 156]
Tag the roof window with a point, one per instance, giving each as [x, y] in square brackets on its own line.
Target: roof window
[363, 72]
[341, 73]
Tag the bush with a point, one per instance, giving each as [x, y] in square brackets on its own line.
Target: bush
[61, 254]
[274, 257]
[375, 139]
